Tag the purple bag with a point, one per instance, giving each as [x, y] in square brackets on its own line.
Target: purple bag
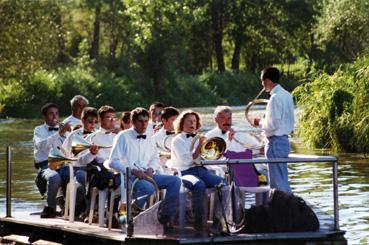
[244, 175]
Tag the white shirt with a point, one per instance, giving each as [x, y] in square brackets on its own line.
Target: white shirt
[73, 121]
[217, 132]
[45, 140]
[181, 153]
[279, 118]
[129, 151]
[101, 137]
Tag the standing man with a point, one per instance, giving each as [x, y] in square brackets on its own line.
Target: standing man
[48, 136]
[135, 148]
[278, 124]
[77, 103]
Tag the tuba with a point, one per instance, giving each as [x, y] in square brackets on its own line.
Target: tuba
[80, 144]
[58, 159]
[212, 149]
[251, 104]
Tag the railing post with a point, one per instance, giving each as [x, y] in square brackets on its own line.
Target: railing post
[9, 181]
[129, 204]
[335, 197]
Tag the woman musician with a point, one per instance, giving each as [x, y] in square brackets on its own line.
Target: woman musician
[185, 156]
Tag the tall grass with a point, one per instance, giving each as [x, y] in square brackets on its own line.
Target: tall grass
[336, 110]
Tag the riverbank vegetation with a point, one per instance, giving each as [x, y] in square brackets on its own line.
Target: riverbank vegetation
[190, 53]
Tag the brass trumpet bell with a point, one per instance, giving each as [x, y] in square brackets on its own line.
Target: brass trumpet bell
[213, 148]
[80, 144]
[57, 158]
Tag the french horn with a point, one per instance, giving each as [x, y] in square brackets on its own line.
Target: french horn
[255, 101]
[212, 149]
[153, 199]
[58, 159]
[80, 144]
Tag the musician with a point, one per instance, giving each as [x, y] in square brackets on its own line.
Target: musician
[278, 124]
[89, 121]
[168, 115]
[125, 120]
[184, 158]
[47, 136]
[224, 130]
[155, 117]
[77, 103]
[134, 148]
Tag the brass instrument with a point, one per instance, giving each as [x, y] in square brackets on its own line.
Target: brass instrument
[80, 144]
[212, 149]
[255, 101]
[58, 159]
[152, 201]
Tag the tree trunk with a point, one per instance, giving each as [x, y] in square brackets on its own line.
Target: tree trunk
[237, 52]
[61, 58]
[217, 24]
[94, 52]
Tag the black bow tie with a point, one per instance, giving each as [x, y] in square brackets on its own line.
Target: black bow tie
[223, 132]
[169, 133]
[190, 135]
[86, 132]
[53, 129]
[141, 136]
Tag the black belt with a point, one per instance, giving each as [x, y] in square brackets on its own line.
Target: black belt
[269, 137]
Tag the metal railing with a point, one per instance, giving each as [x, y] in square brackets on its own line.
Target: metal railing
[293, 158]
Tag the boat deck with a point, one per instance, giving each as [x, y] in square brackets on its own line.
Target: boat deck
[62, 231]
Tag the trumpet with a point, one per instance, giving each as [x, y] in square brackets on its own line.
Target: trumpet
[58, 159]
[212, 149]
[80, 144]
[255, 101]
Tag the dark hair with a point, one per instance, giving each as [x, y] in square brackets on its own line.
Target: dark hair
[169, 112]
[156, 104]
[139, 111]
[105, 109]
[270, 73]
[125, 117]
[89, 112]
[46, 107]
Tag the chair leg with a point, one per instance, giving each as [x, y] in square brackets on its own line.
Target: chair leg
[102, 201]
[110, 211]
[66, 207]
[92, 205]
[211, 206]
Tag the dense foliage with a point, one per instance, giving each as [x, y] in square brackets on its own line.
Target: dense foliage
[335, 109]
[128, 53]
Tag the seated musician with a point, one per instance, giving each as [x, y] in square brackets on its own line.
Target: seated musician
[155, 117]
[125, 120]
[162, 138]
[89, 121]
[185, 156]
[47, 136]
[134, 148]
[77, 104]
[223, 129]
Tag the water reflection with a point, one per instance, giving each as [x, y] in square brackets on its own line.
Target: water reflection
[312, 181]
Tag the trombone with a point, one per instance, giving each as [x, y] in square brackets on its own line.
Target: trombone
[80, 144]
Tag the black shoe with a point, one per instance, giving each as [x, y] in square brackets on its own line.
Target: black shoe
[48, 213]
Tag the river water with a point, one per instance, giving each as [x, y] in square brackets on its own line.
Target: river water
[312, 181]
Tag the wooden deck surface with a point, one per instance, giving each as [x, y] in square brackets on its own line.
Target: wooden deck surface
[99, 235]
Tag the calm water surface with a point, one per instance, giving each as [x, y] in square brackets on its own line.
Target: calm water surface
[312, 181]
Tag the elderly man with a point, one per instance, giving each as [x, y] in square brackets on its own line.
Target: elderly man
[78, 103]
